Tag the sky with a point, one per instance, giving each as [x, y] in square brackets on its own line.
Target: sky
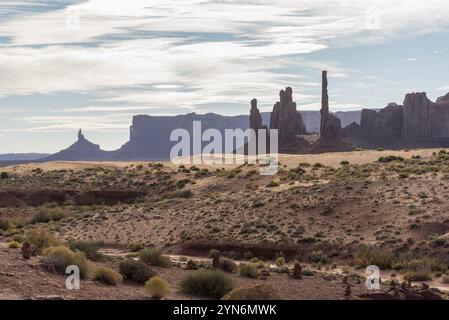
[93, 64]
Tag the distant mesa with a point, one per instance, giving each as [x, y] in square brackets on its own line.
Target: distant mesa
[418, 122]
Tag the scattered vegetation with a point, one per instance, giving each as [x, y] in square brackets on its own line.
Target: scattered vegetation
[107, 276]
[249, 270]
[212, 284]
[155, 258]
[157, 287]
[59, 258]
[89, 248]
[136, 271]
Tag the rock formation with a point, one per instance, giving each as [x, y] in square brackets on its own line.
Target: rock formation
[286, 118]
[331, 134]
[289, 122]
[83, 149]
[416, 116]
[255, 118]
[387, 123]
[418, 123]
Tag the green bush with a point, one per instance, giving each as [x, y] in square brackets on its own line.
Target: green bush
[62, 257]
[5, 224]
[390, 159]
[157, 287]
[213, 284]
[280, 261]
[249, 270]
[227, 265]
[317, 257]
[47, 215]
[135, 247]
[272, 184]
[41, 239]
[155, 258]
[421, 275]
[4, 175]
[89, 248]
[136, 271]
[108, 276]
[14, 245]
[257, 292]
[369, 255]
[213, 253]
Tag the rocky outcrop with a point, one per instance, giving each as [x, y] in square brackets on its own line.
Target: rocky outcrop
[387, 123]
[286, 118]
[418, 123]
[416, 116]
[82, 149]
[255, 118]
[331, 134]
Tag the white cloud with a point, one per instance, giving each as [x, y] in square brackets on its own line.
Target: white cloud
[154, 54]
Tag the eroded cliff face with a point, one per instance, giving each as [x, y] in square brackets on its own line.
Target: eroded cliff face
[387, 123]
[331, 133]
[285, 117]
[418, 123]
[255, 118]
[439, 118]
[416, 116]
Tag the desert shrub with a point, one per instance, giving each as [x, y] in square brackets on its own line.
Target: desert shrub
[47, 215]
[135, 247]
[41, 239]
[4, 175]
[344, 162]
[213, 253]
[369, 255]
[248, 255]
[317, 257]
[14, 245]
[155, 258]
[89, 248]
[5, 224]
[272, 184]
[317, 165]
[390, 159]
[257, 292]
[421, 275]
[157, 287]
[280, 261]
[62, 257]
[227, 265]
[136, 271]
[248, 270]
[213, 284]
[445, 279]
[108, 276]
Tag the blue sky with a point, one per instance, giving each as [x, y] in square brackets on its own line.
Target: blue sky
[172, 57]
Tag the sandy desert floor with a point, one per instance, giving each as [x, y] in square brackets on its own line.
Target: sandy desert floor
[346, 209]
